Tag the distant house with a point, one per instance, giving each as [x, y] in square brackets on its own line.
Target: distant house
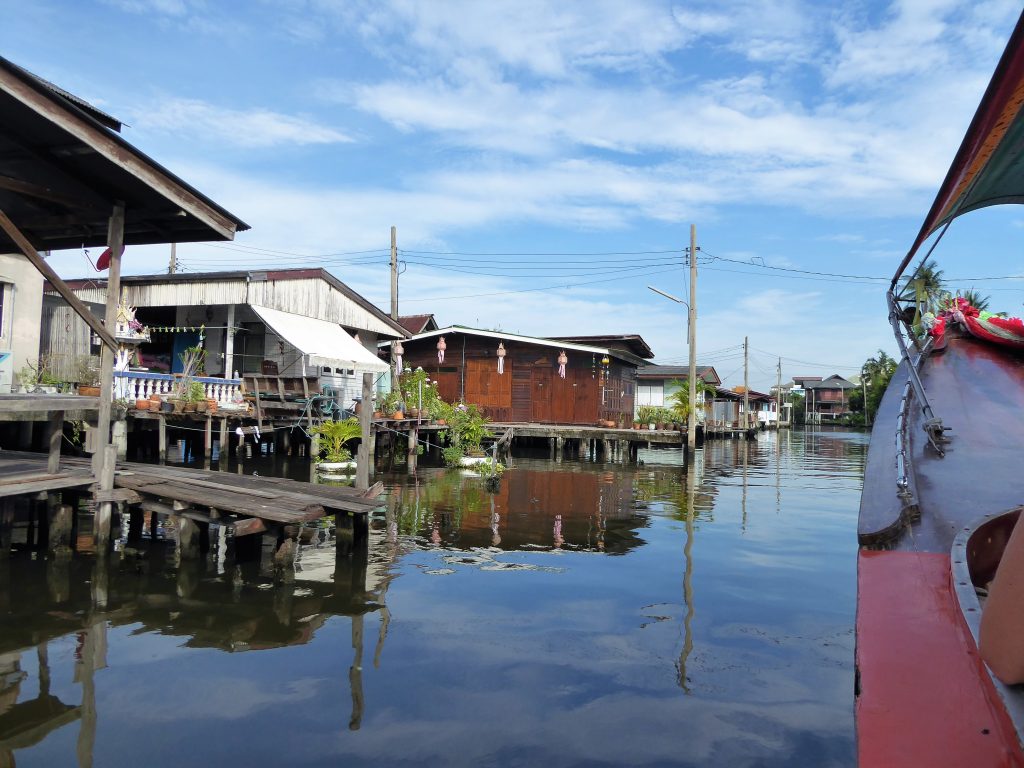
[826, 399]
[537, 380]
[21, 296]
[418, 323]
[282, 323]
[655, 384]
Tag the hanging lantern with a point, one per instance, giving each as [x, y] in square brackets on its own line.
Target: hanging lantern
[562, 360]
[441, 347]
[501, 358]
[399, 351]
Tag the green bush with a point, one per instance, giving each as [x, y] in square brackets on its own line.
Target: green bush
[333, 437]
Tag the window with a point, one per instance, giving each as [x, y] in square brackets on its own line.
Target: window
[253, 338]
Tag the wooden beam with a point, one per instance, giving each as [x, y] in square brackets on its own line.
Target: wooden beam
[117, 152]
[62, 288]
[29, 189]
[118, 494]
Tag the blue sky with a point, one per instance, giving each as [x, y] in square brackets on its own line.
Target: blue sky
[543, 161]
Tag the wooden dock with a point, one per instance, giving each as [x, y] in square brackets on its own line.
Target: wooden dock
[245, 504]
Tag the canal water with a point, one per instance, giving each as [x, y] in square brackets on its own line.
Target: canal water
[580, 614]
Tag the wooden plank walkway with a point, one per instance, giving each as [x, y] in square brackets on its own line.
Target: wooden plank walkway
[272, 499]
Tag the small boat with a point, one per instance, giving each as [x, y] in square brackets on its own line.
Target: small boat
[943, 487]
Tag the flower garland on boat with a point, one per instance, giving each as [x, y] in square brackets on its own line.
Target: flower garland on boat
[1007, 331]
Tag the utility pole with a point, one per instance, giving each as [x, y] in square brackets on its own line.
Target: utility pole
[691, 419]
[173, 266]
[746, 389]
[778, 397]
[394, 274]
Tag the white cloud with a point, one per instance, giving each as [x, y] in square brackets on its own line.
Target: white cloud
[257, 128]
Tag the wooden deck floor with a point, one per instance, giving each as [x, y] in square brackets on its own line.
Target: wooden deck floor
[271, 499]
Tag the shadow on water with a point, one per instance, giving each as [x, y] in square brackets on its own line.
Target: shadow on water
[668, 612]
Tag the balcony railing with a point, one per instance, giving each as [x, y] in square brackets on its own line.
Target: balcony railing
[139, 385]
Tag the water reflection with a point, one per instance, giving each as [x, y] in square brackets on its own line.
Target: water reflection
[666, 613]
[578, 508]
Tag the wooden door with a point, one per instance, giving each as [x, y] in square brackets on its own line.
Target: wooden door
[563, 397]
[586, 397]
[488, 389]
[540, 395]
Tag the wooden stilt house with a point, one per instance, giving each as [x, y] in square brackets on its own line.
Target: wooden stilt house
[515, 378]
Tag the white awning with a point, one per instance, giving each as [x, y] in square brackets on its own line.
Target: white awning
[325, 343]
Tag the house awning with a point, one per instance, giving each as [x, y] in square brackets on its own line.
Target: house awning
[324, 342]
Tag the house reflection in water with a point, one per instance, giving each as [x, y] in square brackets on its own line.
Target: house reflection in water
[231, 610]
[584, 510]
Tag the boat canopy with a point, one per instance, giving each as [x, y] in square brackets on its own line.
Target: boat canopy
[989, 167]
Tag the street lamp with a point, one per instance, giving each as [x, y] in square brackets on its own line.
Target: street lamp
[691, 418]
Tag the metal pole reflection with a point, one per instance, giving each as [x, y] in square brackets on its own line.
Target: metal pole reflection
[691, 492]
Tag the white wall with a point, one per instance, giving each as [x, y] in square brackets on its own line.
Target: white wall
[22, 316]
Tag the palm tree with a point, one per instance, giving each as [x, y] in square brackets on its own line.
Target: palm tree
[975, 299]
[923, 290]
[679, 401]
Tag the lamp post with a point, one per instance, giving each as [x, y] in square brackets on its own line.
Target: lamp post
[691, 418]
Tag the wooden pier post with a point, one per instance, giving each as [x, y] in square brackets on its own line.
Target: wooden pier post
[188, 539]
[208, 440]
[56, 433]
[364, 460]
[6, 527]
[120, 438]
[559, 448]
[162, 438]
[606, 448]
[414, 441]
[104, 509]
[224, 450]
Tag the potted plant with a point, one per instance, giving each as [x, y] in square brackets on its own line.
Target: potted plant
[87, 375]
[391, 404]
[333, 436]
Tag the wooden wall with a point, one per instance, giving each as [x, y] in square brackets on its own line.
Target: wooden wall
[530, 389]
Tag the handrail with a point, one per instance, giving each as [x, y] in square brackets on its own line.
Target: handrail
[932, 425]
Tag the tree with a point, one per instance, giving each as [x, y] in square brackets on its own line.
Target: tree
[877, 371]
[922, 290]
[679, 401]
[975, 299]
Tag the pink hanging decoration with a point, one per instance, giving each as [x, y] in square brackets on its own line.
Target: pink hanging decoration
[441, 347]
[562, 360]
[501, 358]
[399, 351]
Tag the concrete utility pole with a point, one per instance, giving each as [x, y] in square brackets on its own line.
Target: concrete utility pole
[746, 387]
[691, 419]
[778, 396]
[172, 267]
[394, 274]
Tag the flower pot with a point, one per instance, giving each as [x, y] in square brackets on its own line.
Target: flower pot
[166, 407]
[188, 407]
[398, 415]
[378, 414]
[211, 405]
[636, 425]
[142, 405]
[442, 422]
[650, 427]
[88, 390]
[201, 406]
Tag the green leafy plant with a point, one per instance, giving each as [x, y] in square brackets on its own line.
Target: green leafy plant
[466, 430]
[194, 393]
[87, 370]
[391, 402]
[333, 437]
[679, 400]
[418, 391]
[647, 414]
